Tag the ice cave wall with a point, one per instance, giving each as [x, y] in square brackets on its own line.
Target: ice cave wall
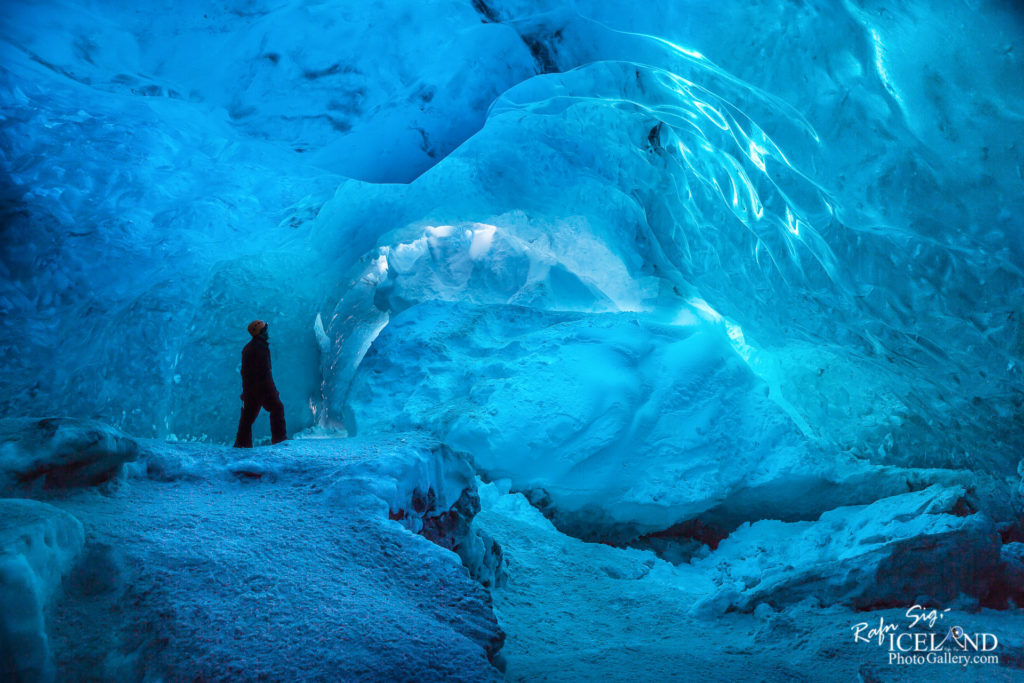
[836, 187]
[161, 163]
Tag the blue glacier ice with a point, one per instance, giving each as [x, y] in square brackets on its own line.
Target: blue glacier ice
[690, 278]
[846, 201]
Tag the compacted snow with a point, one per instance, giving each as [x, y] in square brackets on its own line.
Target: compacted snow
[204, 562]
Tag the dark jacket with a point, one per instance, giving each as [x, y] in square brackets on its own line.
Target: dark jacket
[257, 382]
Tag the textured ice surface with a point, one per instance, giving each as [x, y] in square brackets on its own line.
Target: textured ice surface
[925, 545]
[845, 255]
[38, 544]
[207, 562]
[160, 162]
[623, 426]
[133, 236]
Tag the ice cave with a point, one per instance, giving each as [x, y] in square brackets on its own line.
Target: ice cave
[675, 340]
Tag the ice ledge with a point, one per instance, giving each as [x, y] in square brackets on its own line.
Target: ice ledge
[50, 453]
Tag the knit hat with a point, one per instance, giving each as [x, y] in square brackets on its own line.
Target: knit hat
[256, 326]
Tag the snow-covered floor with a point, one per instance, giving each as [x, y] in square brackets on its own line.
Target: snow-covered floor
[200, 569]
[328, 559]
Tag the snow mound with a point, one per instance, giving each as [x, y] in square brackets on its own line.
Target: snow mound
[326, 559]
[38, 544]
[924, 547]
[51, 453]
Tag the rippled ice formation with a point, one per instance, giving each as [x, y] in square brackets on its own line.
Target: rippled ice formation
[836, 186]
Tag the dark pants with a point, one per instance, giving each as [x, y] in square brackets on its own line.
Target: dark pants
[250, 409]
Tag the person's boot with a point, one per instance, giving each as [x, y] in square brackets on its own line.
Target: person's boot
[243, 436]
[278, 432]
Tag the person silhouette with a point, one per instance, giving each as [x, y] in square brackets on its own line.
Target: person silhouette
[258, 389]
